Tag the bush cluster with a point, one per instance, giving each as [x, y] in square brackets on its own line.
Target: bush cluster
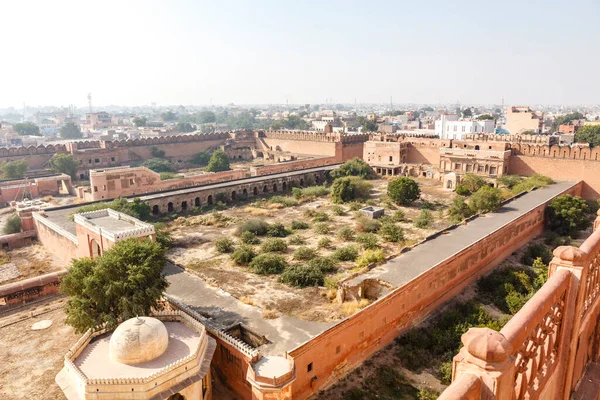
[368, 240]
[391, 232]
[249, 238]
[268, 263]
[370, 256]
[347, 253]
[302, 275]
[324, 243]
[350, 188]
[534, 251]
[304, 253]
[403, 191]
[243, 255]
[296, 240]
[310, 192]
[284, 201]
[567, 215]
[258, 227]
[322, 228]
[510, 288]
[346, 234]
[274, 245]
[299, 225]
[224, 245]
[325, 264]
[355, 167]
[277, 229]
[424, 220]
[364, 224]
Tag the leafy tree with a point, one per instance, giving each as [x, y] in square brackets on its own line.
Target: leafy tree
[185, 127]
[27, 128]
[459, 210]
[201, 158]
[403, 191]
[565, 119]
[368, 125]
[485, 199]
[218, 162]
[125, 282]
[472, 182]
[349, 188]
[12, 225]
[14, 169]
[70, 130]
[467, 113]
[156, 153]
[168, 116]
[291, 122]
[354, 167]
[567, 215]
[158, 165]
[484, 117]
[140, 121]
[588, 134]
[64, 164]
[205, 117]
[136, 208]
[509, 181]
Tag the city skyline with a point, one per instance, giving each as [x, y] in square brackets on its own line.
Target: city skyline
[139, 53]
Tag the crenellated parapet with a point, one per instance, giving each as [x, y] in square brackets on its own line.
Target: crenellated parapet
[314, 136]
[492, 137]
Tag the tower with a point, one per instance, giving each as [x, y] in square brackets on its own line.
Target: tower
[90, 101]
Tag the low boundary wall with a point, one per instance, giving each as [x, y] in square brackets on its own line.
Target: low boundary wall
[32, 288]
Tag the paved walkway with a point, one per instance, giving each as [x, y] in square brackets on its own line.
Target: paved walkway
[590, 384]
[408, 266]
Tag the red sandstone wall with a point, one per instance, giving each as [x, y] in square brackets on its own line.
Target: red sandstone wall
[302, 146]
[352, 150]
[293, 166]
[60, 246]
[560, 169]
[29, 289]
[231, 366]
[377, 325]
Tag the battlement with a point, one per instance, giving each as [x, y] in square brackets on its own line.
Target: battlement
[537, 139]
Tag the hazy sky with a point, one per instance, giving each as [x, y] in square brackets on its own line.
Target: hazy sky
[189, 52]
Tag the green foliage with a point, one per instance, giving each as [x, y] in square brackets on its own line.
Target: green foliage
[565, 119]
[370, 256]
[554, 240]
[348, 253]
[12, 225]
[163, 237]
[218, 162]
[276, 229]
[473, 182]
[588, 134]
[322, 228]
[70, 130]
[274, 245]
[268, 263]
[398, 216]
[224, 245]
[304, 253]
[403, 191]
[14, 169]
[445, 372]
[169, 175]
[509, 288]
[459, 210]
[64, 164]
[136, 208]
[168, 116]
[509, 181]
[424, 220]
[299, 225]
[368, 125]
[364, 224]
[158, 165]
[486, 199]
[355, 167]
[462, 191]
[185, 127]
[202, 158]
[156, 153]
[346, 234]
[140, 121]
[243, 255]
[535, 251]
[258, 227]
[325, 264]
[309, 193]
[484, 117]
[534, 181]
[338, 210]
[248, 237]
[355, 205]
[567, 215]
[467, 113]
[350, 188]
[27, 129]
[125, 282]
[296, 240]
[284, 201]
[324, 243]
[391, 232]
[368, 240]
[291, 122]
[302, 275]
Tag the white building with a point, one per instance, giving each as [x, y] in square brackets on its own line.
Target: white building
[450, 127]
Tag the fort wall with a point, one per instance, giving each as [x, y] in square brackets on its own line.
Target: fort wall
[29, 289]
[292, 166]
[341, 348]
[54, 237]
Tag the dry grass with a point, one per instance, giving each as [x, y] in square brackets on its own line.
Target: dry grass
[331, 294]
[197, 265]
[257, 212]
[275, 206]
[351, 307]
[188, 241]
[248, 300]
[269, 314]
[4, 258]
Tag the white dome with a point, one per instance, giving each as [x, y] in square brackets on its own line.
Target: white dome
[138, 340]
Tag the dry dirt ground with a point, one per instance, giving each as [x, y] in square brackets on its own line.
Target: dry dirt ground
[31, 261]
[195, 249]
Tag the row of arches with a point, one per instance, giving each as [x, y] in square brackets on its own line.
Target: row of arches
[233, 195]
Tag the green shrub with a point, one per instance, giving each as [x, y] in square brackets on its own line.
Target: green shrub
[304, 253]
[346, 234]
[302, 275]
[268, 263]
[258, 227]
[459, 210]
[322, 228]
[224, 245]
[243, 255]
[299, 225]
[274, 245]
[403, 191]
[310, 192]
[473, 182]
[249, 238]
[349, 188]
[347, 253]
[509, 288]
[338, 210]
[424, 220]
[325, 264]
[296, 240]
[320, 216]
[534, 181]
[169, 175]
[398, 216]
[553, 239]
[536, 251]
[567, 215]
[283, 200]
[364, 224]
[368, 240]
[445, 372]
[324, 243]
[277, 230]
[355, 167]
[485, 199]
[12, 225]
[370, 256]
[391, 232]
[509, 181]
[426, 393]
[462, 191]
[355, 205]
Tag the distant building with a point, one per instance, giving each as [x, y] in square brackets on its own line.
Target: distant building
[99, 120]
[449, 127]
[522, 118]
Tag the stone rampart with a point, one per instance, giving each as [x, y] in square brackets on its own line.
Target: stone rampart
[29, 289]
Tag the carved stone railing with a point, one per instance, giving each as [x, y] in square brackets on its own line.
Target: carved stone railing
[542, 352]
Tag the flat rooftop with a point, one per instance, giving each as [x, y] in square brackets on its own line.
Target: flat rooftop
[95, 362]
[286, 333]
[113, 224]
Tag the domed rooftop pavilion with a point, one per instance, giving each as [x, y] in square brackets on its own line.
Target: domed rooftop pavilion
[156, 357]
